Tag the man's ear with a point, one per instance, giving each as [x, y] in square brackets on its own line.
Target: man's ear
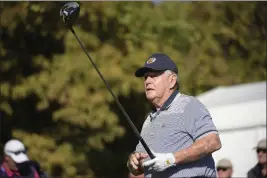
[172, 81]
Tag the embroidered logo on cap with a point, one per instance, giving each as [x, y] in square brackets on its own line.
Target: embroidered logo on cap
[150, 60]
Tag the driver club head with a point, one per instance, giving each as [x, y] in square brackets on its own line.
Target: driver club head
[69, 13]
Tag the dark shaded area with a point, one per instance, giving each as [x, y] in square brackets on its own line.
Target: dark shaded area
[5, 128]
[137, 108]
[25, 45]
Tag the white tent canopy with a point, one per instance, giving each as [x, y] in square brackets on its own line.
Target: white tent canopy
[239, 113]
[225, 95]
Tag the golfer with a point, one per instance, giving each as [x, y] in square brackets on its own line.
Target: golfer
[179, 129]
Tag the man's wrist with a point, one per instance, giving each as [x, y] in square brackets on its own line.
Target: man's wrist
[171, 159]
[173, 154]
[180, 157]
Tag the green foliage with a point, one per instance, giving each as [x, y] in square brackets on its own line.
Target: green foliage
[54, 100]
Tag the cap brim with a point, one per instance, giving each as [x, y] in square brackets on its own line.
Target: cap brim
[20, 158]
[141, 71]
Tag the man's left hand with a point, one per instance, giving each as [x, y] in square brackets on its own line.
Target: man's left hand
[161, 161]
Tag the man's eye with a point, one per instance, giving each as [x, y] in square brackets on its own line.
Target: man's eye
[152, 76]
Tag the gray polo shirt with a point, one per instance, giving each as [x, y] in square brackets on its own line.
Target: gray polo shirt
[181, 121]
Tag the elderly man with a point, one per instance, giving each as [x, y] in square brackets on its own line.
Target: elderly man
[260, 169]
[224, 168]
[16, 163]
[179, 129]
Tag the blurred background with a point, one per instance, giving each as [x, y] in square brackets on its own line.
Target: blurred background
[53, 100]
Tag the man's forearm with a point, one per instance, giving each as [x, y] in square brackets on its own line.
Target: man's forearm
[199, 149]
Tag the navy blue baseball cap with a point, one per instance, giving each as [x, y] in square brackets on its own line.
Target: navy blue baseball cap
[157, 62]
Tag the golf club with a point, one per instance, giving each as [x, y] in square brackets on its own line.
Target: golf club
[69, 13]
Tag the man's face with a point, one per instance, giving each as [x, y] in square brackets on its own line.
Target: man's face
[224, 172]
[10, 163]
[156, 84]
[261, 153]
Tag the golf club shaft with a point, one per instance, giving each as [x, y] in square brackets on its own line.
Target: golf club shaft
[149, 152]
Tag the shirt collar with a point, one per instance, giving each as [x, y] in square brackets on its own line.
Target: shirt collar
[165, 106]
[167, 103]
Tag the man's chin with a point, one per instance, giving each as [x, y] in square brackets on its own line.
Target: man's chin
[262, 162]
[150, 96]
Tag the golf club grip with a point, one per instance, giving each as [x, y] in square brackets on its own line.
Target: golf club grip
[117, 101]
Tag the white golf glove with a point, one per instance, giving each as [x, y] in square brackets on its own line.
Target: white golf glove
[161, 161]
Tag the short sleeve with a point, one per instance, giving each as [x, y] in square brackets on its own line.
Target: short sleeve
[199, 121]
